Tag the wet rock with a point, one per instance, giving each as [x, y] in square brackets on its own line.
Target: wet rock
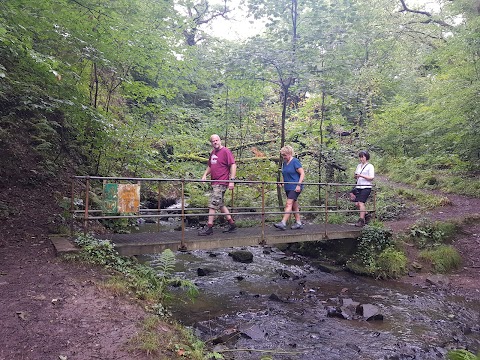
[267, 250]
[327, 268]
[440, 281]
[275, 297]
[417, 266]
[350, 303]
[354, 347]
[286, 274]
[228, 336]
[242, 256]
[369, 312]
[334, 311]
[252, 332]
[204, 271]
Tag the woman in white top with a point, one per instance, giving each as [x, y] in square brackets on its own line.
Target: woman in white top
[364, 174]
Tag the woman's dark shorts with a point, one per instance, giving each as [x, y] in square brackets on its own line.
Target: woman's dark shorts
[292, 194]
[361, 195]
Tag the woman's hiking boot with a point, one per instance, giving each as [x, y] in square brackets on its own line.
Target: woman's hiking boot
[368, 217]
[360, 223]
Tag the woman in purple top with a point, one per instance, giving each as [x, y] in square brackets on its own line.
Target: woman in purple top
[293, 176]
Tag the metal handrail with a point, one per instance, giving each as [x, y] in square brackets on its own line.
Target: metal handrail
[193, 212]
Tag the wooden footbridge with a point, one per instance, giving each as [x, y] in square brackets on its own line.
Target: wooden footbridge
[121, 198]
[150, 243]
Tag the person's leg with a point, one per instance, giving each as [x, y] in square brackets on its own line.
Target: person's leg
[362, 208]
[288, 210]
[214, 204]
[231, 223]
[211, 217]
[296, 210]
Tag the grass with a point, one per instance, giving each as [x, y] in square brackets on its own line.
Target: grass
[426, 233]
[424, 173]
[425, 200]
[391, 263]
[443, 258]
[168, 341]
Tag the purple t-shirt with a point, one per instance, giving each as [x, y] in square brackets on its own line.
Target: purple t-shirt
[219, 163]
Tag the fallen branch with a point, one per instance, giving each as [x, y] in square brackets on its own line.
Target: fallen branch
[274, 351]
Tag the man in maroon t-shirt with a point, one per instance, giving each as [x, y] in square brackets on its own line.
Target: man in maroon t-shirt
[221, 166]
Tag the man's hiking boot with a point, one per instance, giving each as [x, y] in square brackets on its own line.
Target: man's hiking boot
[368, 218]
[360, 223]
[206, 230]
[230, 228]
[280, 226]
[296, 226]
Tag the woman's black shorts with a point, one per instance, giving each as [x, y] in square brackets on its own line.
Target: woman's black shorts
[361, 195]
[292, 194]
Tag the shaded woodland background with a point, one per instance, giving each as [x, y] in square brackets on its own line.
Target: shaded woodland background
[135, 88]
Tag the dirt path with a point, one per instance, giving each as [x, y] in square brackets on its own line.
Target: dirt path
[466, 281]
[51, 309]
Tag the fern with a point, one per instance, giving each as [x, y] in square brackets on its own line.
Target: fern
[460, 354]
[166, 263]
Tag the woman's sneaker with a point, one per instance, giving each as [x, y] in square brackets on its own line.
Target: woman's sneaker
[296, 226]
[280, 226]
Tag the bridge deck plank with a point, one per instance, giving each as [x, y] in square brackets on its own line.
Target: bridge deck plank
[155, 242]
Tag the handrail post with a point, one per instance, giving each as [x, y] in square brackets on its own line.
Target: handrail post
[72, 207]
[263, 213]
[85, 217]
[182, 244]
[326, 208]
[158, 205]
[336, 197]
[232, 197]
[374, 203]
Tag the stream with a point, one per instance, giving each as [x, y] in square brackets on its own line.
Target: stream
[281, 306]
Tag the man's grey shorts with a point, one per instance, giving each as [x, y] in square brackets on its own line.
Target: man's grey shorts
[216, 197]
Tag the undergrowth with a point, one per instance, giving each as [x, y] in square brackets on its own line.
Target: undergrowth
[141, 279]
[151, 286]
[461, 354]
[426, 233]
[377, 255]
[442, 258]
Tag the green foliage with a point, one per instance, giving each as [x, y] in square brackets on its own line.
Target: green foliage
[425, 200]
[391, 263]
[426, 172]
[443, 258]
[141, 279]
[372, 243]
[461, 354]
[337, 218]
[178, 341]
[426, 233]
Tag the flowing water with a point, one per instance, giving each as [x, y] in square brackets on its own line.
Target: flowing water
[277, 308]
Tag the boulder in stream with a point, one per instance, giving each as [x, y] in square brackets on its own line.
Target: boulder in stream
[242, 256]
